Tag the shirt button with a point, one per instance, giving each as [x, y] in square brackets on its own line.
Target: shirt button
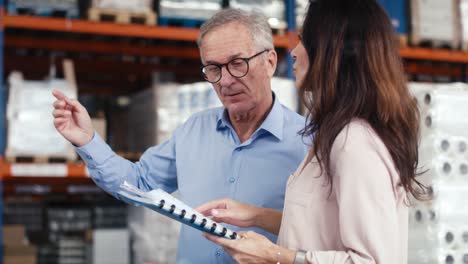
[89, 157]
[218, 253]
[232, 180]
[238, 149]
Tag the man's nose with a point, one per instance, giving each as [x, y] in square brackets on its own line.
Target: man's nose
[226, 78]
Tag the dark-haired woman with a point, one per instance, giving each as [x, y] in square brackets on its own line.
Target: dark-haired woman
[348, 201]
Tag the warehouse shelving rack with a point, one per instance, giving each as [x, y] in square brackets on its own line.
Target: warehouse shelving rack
[77, 173]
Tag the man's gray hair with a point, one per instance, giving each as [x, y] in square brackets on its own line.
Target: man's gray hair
[254, 21]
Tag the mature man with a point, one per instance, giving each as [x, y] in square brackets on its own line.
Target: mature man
[245, 150]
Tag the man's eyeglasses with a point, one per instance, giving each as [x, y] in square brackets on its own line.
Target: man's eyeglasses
[238, 67]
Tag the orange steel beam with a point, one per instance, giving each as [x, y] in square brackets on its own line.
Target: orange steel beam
[112, 29]
[75, 170]
[101, 47]
[434, 54]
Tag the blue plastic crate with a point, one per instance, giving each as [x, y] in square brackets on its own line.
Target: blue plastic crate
[181, 22]
[42, 10]
[398, 12]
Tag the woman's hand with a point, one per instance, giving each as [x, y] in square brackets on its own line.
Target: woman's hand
[251, 248]
[231, 212]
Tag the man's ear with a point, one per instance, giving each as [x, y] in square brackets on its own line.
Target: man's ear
[272, 62]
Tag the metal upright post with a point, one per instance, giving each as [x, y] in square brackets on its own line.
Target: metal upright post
[2, 123]
[291, 20]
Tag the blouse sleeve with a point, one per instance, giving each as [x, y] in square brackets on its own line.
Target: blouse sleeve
[363, 185]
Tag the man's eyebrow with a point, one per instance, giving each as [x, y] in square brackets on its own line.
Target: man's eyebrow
[237, 55]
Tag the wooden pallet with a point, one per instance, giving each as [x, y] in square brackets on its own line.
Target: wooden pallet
[39, 159]
[402, 40]
[465, 46]
[121, 16]
[436, 44]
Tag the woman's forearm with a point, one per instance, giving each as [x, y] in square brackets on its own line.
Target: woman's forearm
[268, 220]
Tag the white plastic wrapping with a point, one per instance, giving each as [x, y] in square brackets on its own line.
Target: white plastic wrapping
[30, 122]
[155, 236]
[275, 10]
[135, 6]
[445, 111]
[464, 25]
[286, 92]
[439, 228]
[189, 9]
[435, 20]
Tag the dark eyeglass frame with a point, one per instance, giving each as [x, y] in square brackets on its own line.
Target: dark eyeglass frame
[220, 67]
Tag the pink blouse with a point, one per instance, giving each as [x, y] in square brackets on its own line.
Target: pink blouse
[364, 219]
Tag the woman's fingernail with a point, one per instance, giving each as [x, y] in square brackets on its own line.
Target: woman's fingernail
[214, 212]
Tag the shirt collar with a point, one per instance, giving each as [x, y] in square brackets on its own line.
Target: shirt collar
[273, 123]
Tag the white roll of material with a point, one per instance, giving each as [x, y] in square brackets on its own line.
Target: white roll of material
[461, 170]
[419, 89]
[443, 169]
[451, 203]
[449, 257]
[437, 145]
[464, 256]
[449, 237]
[445, 111]
[423, 215]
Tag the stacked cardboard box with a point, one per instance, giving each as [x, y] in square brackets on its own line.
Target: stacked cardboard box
[15, 246]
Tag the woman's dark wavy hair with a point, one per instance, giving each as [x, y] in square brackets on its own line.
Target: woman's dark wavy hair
[356, 72]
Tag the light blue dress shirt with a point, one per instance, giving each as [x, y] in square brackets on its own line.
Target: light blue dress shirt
[205, 160]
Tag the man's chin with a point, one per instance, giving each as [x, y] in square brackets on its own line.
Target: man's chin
[238, 109]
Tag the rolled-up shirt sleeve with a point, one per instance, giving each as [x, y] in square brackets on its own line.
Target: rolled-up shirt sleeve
[108, 170]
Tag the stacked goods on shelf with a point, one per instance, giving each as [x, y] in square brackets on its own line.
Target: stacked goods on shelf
[275, 10]
[464, 23]
[286, 92]
[72, 250]
[117, 119]
[67, 228]
[31, 131]
[111, 246]
[438, 228]
[62, 8]
[435, 22]
[187, 13]
[300, 11]
[25, 213]
[15, 246]
[123, 12]
[397, 11]
[155, 113]
[154, 236]
[74, 233]
[109, 216]
[142, 120]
